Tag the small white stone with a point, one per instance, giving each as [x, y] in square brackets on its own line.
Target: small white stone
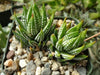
[59, 64]
[70, 68]
[36, 55]
[81, 70]
[44, 59]
[19, 45]
[40, 54]
[75, 73]
[68, 21]
[24, 51]
[19, 73]
[42, 68]
[65, 67]
[19, 51]
[55, 21]
[22, 63]
[38, 71]
[73, 21]
[55, 73]
[37, 62]
[14, 39]
[51, 61]
[67, 72]
[46, 71]
[30, 68]
[19, 57]
[15, 58]
[62, 70]
[13, 45]
[23, 73]
[60, 22]
[12, 48]
[23, 69]
[24, 56]
[55, 66]
[2, 73]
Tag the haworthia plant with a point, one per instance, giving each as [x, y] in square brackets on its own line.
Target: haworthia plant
[69, 43]
[33, 28]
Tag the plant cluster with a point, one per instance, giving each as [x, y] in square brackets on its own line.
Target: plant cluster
[34, 30]
[68, 43]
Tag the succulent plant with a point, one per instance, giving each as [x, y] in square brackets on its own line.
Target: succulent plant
[34, 28]
[68, 43]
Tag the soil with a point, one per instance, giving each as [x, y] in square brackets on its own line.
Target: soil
[5, 6]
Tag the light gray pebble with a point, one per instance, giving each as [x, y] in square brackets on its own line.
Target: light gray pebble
[36, 55]
[68, 21]
[44, 59]
[2, 73]
[23, 73]
[81, 70]
[19, 51]
[59, 64]
[55, 21]
[47, 65]
[24, 56]
[70, 68]
[55, 66]
[67, 72]
[37, 62]
[46, 71]
[13, 45]
[75, 73]
[38, 71]
[40, 54]
[51, 61]
[22, 63]
[55, 73]
[30, 68]
[65, 67]
[62, 70]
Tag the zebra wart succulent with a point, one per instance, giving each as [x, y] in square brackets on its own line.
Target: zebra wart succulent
[68, 43]
[33, 28]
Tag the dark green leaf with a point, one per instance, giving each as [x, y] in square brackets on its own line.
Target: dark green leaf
[48, 25]
[80, 57]
[44, 17]
[67, 56]
[76, 50]
[62, 30]
[53, 39]
[29, 13]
